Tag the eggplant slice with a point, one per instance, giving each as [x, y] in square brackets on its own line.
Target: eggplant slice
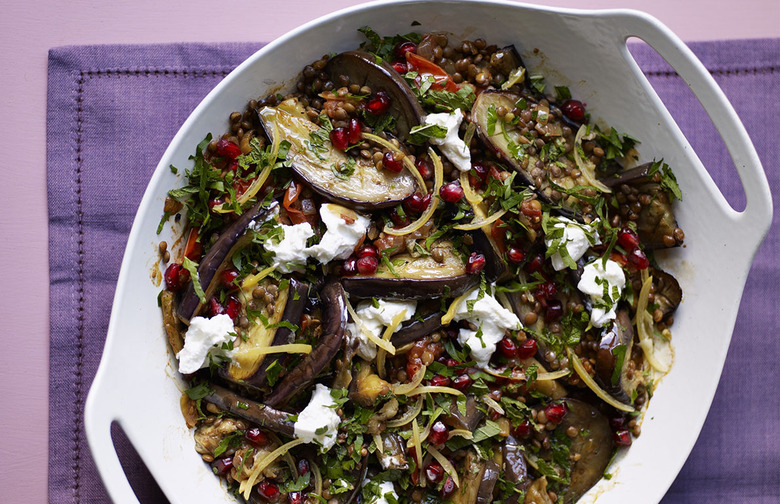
[593, 443]
[260, 414]
[363, 69]
[351, 181]
[620, 333]
[507, 141]
[334, 313]
[217, 256]
[251, 372]
[415, 277]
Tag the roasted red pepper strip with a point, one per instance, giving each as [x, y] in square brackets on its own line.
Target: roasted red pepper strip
[193, 249]
[424, 67]
[290, 198]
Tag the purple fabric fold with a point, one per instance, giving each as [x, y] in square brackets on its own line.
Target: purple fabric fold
[112, 110]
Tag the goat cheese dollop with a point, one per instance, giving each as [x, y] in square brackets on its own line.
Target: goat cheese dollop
[374, 319]
[492, 321]
[290, 254]
[603, 281]
[451, 145]
[204, 338]
[345, 230]
[575, 239]
[319, 416]
[380, 493]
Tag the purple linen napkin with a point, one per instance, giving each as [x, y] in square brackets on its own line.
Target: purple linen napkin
[112, 111]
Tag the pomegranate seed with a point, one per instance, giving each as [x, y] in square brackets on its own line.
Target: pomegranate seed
[448, 488]
[439, 433]
[215, 307]
[451, 192]
[475, 264]
[354, 130]
[574, 110]
[339, 137]
[638, 259]
[617, 423]
[227, 149]
[232, 307]
[481, 171]
[401, 67]
[434, 472]
[256, 436]
[303, 467]
[508, 348]
[295, 498]
[214, 202]
[619, 258]
[535, 264]
[523, 430]
[379, 104]
[228, 278]
[404, 47]
[268, 490]
[390, 162]
[462, 382]
[417, 203]
[176, 277]
[628, 239]
[232, 166]
[526, 349]
[622, 438]
[440, 381]
[555, 412]
[425, 169]
[554, 311]
[367, 265]
[546, 290]
[223, 465]
[399, 219]
[515, 254]
[368, 251]
[349, 267]
[452, 362]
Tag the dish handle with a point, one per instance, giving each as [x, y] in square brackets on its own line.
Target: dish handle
[98, 418]
[758, 210]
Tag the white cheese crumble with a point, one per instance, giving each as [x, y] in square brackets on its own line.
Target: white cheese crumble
[574, 239]
[374, 319]
[492, 321]
[380, 492]
[604, 284]
[319, 421]
[204, 338]
[290, 254]
[345, 230]
[451, 145]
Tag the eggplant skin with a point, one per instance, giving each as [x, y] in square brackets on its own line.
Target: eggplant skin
[260, 414]
[408, 288]
[363, 69]
[216, 256]
[333, 329]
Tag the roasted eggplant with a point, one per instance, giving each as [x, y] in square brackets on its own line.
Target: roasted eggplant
[334, 314]
[415, 277]
[363, 69]
[217, 255]
[354, 182]
[257, 413]
[617, 342]
[533, 165]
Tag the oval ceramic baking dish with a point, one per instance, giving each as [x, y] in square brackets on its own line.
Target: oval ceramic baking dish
[585, 50]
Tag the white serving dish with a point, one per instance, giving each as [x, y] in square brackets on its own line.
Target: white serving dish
[137, 384]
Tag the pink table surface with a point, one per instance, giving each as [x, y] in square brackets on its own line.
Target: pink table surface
[29, 28]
